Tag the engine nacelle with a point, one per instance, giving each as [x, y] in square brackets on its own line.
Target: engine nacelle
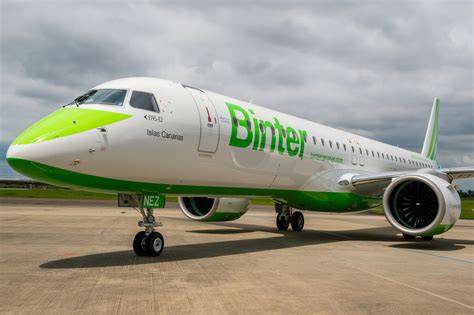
[213, 209]
[421, 204]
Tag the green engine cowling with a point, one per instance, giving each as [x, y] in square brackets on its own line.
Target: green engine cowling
[213, 209]
[421, 204]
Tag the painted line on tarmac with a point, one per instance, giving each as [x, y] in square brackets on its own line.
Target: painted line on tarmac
[416, 288]
[403, 249]
[402, 283]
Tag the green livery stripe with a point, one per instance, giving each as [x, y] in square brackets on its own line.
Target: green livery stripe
[439, 229]
[224, 216]
[434, 134]
[67, 121]
[307, 200]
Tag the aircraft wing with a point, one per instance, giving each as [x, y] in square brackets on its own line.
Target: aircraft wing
[375, 183]
[458, 172]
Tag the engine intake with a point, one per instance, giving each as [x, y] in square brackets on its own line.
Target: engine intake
[421, 204]
[213, 209]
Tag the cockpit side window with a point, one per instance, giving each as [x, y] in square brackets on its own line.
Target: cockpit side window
[144, 101]
[103, 96]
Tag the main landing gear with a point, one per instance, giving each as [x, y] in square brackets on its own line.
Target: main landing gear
[286, 216]
[148, 242]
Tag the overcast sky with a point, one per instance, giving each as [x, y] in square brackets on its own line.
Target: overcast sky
[368, 67]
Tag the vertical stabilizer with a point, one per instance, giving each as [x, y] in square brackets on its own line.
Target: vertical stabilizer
[431, 138]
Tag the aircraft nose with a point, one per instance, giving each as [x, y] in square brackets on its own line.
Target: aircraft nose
[37, 144]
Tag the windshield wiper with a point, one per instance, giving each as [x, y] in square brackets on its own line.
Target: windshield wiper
[81, 99]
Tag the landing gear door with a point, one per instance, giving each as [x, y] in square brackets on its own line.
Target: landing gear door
[209, 134]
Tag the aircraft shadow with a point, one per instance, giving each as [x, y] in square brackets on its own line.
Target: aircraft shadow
[283, 240]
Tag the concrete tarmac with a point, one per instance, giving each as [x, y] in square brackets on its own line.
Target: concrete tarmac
[61, 256]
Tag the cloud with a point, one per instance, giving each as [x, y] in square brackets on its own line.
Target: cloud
[367, 67]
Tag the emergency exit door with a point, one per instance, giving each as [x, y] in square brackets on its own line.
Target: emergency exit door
[209, 133]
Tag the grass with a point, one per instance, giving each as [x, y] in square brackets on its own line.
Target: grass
[76, 194]
[467, 208]
[55, 194]
[467, 205]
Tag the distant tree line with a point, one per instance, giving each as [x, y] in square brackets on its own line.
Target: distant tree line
[469, 193]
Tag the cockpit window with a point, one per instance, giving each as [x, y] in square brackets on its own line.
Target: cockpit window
[105, 97]
[144, 101]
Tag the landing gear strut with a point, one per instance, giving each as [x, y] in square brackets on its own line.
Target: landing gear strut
[286, 216]
[148, 242]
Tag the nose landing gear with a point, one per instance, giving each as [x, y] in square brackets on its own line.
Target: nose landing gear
[286, 216]
[148, 242]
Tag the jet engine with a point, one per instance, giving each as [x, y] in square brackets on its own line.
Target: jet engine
[421, 204]
[213, 209]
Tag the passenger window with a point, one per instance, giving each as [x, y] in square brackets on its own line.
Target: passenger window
[314, 139]
[360, 151]
[144, 101]
[366, 152]
[378, 154]
[345, 148]
[330, 143]
[337, 145]
[283, 132]
[261, 127]
[235, 121]
[322, 142]
[353, 150]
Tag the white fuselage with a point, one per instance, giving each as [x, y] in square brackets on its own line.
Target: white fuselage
[141, 148]
[188, 143]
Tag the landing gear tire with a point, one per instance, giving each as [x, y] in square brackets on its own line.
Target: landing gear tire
[427, 238]
[282, 223]
[154, 244]
[139, 244]
[297, 221]
[408, 237]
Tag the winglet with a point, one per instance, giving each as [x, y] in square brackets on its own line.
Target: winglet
[431, 138]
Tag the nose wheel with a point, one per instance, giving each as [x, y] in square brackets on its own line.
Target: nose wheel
[148, 245]
[149, 242]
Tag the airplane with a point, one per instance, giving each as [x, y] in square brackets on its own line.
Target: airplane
[147, 138]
